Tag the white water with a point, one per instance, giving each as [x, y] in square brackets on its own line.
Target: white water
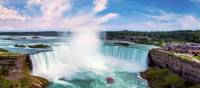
[131, 59]
[52, 64]
[66, 60]
[62, 64]
[84, 63]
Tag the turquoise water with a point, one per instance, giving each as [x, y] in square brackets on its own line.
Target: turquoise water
[124, 64]
[122, 80]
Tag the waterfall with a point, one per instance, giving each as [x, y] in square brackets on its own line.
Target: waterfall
[137, 54]
[54, 64]
[47, 64]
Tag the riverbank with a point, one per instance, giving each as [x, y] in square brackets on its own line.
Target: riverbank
[16, 73]
[168, 70]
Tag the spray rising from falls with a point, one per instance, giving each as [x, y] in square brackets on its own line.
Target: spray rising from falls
[85, 54]
[66, 60]
[85, 62]
[81, 53]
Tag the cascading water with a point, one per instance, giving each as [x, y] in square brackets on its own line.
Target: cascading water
[122, 63]
[135, 56]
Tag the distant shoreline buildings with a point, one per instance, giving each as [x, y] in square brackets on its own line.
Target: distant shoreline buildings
[189, 48]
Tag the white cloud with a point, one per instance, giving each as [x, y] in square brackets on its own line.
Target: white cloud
[108, 17]
[100, 5]
[188, 22]
[165, 16]
[51, 9]
[162, 22]
[34, 2]
[53, 17]
[10, 14]
[53, 12]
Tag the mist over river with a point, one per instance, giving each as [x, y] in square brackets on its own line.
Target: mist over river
[76, 64]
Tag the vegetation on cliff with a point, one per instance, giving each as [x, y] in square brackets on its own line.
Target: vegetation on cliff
[165, 78]
[170, 54]
[4, 54]
[197, 57]
[26, 82]
[159, 43]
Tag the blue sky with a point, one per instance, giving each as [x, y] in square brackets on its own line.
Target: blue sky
[140, 15]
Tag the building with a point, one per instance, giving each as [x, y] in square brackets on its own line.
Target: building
[190, 48]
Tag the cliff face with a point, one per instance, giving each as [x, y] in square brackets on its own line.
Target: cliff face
[188, 69]
[11, 65]
[15, 72]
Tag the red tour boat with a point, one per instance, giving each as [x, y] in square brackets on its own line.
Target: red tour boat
[110, 80]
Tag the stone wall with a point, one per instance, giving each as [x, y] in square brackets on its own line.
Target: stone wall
[187, 68]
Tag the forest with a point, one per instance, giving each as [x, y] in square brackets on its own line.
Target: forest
[166, 36]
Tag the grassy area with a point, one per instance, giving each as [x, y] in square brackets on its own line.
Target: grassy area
[182, 57]
[152, 42]
[165, 78]
[4, 54]
[4, 83]
[197, 57]
[192, 57]
[38, 46]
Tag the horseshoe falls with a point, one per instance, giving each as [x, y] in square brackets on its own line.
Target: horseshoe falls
[69, 70]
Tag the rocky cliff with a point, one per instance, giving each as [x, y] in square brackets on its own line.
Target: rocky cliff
[185, 67]
[15, 72]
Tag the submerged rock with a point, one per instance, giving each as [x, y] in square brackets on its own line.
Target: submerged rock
[35, 37]
[21, 46]
[38, 46]
[122, 44]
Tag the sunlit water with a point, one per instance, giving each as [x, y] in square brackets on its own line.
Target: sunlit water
[124, 64]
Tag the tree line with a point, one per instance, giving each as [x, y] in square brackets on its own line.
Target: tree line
[167, 36]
